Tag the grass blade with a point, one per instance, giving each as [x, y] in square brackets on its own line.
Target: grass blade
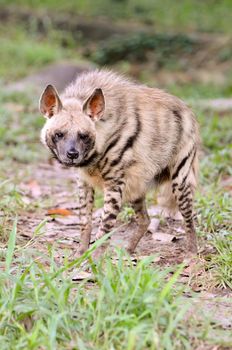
[11, 246]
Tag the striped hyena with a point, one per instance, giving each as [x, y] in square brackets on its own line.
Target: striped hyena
[124, 138]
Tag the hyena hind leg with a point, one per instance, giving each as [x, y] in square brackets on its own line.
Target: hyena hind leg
[142, 220]
[183, 189]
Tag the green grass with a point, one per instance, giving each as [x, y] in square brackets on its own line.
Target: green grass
[166, 15]
[19, 129]
[221, 263]
[213, 201]
[214, 209]
[127, 307]
[195, 91]
[217, 147]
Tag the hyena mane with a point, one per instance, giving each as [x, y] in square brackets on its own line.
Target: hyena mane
[124, 138]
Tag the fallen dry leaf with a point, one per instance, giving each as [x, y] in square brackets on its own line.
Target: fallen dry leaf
[157, 210]
[83, 275]
[68, 220]
[194, 267]
[154, 224]
[59, 211]
[163, 237]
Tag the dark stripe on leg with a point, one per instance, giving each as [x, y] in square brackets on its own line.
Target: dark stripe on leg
[111, 216]
[182, 163]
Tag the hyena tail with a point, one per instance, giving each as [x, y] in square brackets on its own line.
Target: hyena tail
[178, 192]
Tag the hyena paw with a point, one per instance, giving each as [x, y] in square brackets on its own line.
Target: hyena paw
[81, 251]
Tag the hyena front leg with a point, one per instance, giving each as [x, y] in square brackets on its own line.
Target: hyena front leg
[143, 222]
[183, 186]
[112, 206]
[86, 198]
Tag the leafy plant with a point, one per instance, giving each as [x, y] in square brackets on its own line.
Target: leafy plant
[136, 47]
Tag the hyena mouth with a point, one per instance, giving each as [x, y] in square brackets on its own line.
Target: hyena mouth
[87, 160]
[69, 164]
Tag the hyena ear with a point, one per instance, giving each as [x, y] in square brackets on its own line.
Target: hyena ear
[50, 102]
[94, 106]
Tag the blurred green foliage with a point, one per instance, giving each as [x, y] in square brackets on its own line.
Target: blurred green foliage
[20, 52]
[135, 48]
[164, 15]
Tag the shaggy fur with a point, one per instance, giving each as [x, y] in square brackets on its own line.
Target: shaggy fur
[124, 138]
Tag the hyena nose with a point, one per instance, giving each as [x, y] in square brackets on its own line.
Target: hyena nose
[72, 153]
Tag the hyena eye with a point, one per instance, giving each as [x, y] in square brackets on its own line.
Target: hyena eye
[84, 137]
[58, 136]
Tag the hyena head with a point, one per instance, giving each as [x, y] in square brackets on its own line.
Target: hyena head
[69, 131]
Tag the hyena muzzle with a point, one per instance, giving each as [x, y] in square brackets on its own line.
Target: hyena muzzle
[124, 138]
